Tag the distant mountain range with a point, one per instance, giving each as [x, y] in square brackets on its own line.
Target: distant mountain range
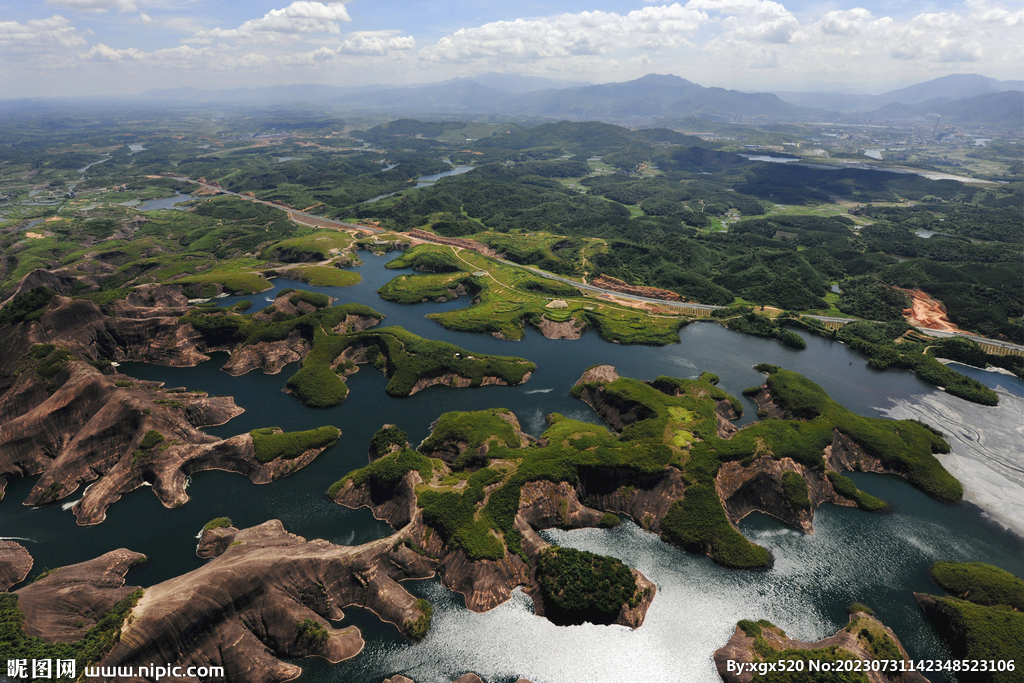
[947, 88]
[962, 99]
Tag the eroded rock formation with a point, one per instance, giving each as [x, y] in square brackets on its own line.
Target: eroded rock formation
[488, 583]
[15, 564]
[265, 594]
[93, 428]
[68, 601]
[248, 623]
[741, 649]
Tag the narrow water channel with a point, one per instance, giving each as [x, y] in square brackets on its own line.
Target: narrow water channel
[878, 559]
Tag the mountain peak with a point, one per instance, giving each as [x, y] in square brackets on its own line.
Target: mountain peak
[663, 79]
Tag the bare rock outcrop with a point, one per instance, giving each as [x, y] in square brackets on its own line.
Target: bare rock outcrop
[740, 649]
[93, 429]
[646, 502]
[758, 488]
[766, 402]
[168, 473]
[61, 283]
[616, 285]
[450, 379]
[616, 414]
[148, 335]
[270, 357]
[15, 564]
[570, 329]
[485, 583]
[262, 597]
[65, 603]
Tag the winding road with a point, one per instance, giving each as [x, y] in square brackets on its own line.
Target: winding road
[320, 221]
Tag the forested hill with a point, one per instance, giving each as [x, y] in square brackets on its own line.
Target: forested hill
[676, 212]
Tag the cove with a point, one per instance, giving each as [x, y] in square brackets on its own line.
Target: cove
[875, 559]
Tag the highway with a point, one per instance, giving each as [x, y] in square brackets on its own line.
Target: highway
[327, 222]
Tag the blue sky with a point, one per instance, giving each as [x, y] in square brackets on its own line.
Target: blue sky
[78, 47]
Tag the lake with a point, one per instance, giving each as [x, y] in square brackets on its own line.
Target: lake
[878, 559]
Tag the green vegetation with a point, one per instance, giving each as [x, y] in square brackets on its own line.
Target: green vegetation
[980, 583]
[314, 299]
[794, 491]
[151, 439]
[47, 360]
[217, 523]
[768, 654]
[981, 632]
[271, 444]
[969, 353]
[417, 629]
[325, 276]
[470, 430]
[873, 638]
[315, 246]
[386, 439]
[414, 289]
[508, 298]
[659, 209]
[760, 326]
[855, 607]
[903, 445]
[26, 307]
[846, 488]
[312, 632]
[91, 647]
[404, 357]
[385, 472]
[698, 523]
[879, 343]
[579, 586]
[453, 516]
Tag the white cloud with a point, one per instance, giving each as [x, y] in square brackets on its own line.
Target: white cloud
[362, 44]
[38, 35]
[216, 58]
[96, 5]
[102, 53]
[569, 35]
[375, 45]
[757, 21]
[297, 20]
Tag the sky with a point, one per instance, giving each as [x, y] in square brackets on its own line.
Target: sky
[56, 48]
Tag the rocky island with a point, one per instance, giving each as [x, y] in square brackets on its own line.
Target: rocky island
[476, 492]
[758, 645]
[71, 417]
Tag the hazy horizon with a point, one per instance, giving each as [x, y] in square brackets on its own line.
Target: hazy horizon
[70, 48]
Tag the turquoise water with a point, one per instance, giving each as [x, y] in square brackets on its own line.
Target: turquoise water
[875, 559]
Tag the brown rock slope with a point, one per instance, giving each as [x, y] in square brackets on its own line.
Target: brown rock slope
[243, 609]
[15, 564]
[485, 583]
[265, 594]
[68, 601]
[864, 638]
[77, 422]
[92, 429]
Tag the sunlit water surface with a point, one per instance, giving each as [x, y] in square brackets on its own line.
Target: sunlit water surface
[878, 559]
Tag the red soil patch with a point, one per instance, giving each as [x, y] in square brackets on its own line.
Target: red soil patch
[927, 312]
